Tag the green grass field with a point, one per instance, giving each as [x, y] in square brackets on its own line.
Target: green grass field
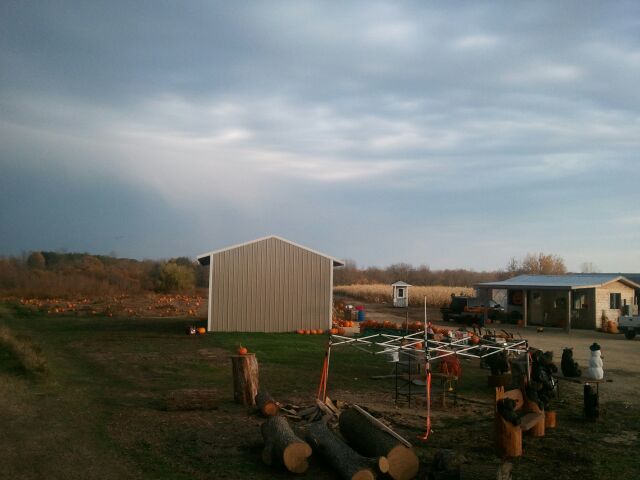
[94, 408]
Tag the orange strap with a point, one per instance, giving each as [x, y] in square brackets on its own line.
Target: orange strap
[322, 387]
[428, 425]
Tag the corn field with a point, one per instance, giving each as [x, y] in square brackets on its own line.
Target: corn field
[437, 296]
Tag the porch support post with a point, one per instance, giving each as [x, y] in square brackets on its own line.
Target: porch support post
[525, 294]
[568, 324]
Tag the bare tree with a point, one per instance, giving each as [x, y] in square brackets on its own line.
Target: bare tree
[589, 267]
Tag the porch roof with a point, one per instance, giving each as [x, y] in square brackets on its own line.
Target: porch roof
[558, 282]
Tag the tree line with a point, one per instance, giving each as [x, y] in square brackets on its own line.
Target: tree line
[60, 274]
[532, 263]
[55, 274]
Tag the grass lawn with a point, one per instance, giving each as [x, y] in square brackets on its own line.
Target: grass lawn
[97, 408]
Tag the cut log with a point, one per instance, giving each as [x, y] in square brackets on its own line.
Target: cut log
[349, 464]
[282, 447]
[331, 405]
[245, 378]
[326, 410]
[267, 405]
[369, 439]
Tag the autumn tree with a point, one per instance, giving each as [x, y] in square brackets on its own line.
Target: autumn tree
[537, 264]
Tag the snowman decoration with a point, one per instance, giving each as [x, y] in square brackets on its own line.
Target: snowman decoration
[595, 371]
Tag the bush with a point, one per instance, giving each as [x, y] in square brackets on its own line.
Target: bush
[171, 277]
[36, 260]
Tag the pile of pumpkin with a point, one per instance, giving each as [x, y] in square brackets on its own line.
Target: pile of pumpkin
[439, 333]
[343, 323]
[332, 331]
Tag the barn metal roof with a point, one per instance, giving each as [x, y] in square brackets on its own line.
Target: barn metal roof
[567, 282]
[204, 258]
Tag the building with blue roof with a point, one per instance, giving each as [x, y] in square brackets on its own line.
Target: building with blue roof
[583, 300]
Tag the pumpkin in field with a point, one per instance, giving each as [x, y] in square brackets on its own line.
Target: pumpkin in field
[307, 332]
[418, 346]
[341, 331]
[300, 332]
[333, 331]
[242, 350]
[202, 330]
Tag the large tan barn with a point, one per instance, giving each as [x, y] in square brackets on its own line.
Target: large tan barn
[269, 285]
[567, 301]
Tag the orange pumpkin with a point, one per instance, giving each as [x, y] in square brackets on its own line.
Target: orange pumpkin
[341, 331]
[307, 332]
[418, 346]
[300, 332]
[333, 331]
[242, 350]
[202, 330]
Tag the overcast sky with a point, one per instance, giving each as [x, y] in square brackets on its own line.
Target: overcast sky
[456, 134]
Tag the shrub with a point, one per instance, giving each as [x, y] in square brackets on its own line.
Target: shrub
[171, 277]
[36, 260]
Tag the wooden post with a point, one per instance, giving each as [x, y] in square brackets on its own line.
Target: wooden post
[245, 378]
[525, 294]
[568, 325]
[550, 419]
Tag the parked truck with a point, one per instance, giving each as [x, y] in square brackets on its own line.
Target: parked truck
[469, 309]
[629, 325]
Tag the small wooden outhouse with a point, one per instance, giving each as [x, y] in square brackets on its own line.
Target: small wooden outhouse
[400, 294]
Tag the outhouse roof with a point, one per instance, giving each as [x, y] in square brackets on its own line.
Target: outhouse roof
[204, 258]
[566, 282]
[400, 284]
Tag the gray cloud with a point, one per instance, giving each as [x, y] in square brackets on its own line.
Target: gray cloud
[477, 131]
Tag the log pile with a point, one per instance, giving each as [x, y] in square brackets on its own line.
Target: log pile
[369, 447]
[325, 411]
[349, 464]
[282, 447]
[370, 437]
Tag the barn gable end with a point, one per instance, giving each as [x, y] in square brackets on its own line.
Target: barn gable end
[269, 285]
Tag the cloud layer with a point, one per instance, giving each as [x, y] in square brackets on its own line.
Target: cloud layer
[381, 131]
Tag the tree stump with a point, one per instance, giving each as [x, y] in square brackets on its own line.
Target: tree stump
[368, 439]
[282, 447]
[349, 464]
[245, 378]
[267, 405]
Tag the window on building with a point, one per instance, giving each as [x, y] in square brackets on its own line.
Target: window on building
[579, 301]
[615, 301]
[401, 293]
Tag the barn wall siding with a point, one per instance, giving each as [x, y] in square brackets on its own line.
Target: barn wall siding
[270, 286]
